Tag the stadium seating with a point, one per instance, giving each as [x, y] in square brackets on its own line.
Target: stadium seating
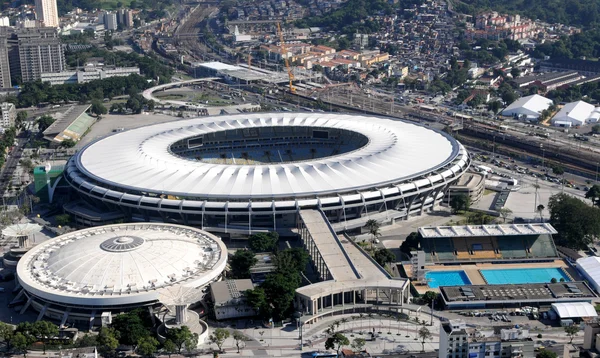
[542, 246]
[512, 247]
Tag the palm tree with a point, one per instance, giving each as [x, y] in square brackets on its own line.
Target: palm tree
[540, 209]
[536, 186]
[344, 321]
[374, 229]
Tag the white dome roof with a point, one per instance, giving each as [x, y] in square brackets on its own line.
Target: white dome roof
[118, 262]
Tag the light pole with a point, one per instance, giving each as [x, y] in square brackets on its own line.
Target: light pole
[597, 172]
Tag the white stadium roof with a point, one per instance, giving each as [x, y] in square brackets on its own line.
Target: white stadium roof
[140, 159]
[574, 310]
[122, 264]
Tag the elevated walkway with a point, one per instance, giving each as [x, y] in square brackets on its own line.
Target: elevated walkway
[350, 276]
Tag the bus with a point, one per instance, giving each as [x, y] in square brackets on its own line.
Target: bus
[324, 355]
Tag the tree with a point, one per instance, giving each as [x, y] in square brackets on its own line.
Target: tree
[257, 299]
[577, 223]
[358, 344]
[515, 72]
[44, 122]
[98, 108]
[147, 346]
[505, 212]
[429, 297]
[424, 335]
[384, 256]
[594, 194]
[571, 332]
[373, 226]
[294, 259]
[62, 219]
[263, 242]
[179, 336]
[20, 342]
[192, 343]
[411, 243]
[280, 290]
[558, 170]
[7, 331]
[107, 340]
[540, 209]
[460, 202]
[553, 280]
[21, 117]
[240, 340]
[596, 128]
[336, 341]
[68, 143]
[241, 262]
[544, 353]
[44, 331]
[88, 340]
[132, 326]
[218, 337]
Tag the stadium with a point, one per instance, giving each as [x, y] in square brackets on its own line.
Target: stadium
[248, 172]
[89, 275]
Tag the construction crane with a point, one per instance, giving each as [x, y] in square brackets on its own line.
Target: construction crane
[284, 55]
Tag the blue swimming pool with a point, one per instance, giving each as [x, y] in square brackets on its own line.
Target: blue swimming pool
[523, 275]
[436, 279]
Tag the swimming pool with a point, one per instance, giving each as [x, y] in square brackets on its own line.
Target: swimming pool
[523, 275]
[436, 279]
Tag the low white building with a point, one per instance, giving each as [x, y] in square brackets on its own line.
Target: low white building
[229, 300]
[9, 115]
[576, 114]
[87, 74]
[529, 107]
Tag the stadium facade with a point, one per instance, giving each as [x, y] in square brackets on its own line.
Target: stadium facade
[248, 172]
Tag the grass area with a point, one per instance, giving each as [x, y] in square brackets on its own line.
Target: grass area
[112, 4]
[488, 192]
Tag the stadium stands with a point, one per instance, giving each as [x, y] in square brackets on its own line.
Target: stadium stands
[488, 248]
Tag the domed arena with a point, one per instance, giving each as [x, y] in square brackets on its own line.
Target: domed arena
[91, 274]
[246, 172]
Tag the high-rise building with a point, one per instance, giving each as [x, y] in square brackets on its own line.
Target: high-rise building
[47, 12]
[125, 18]
[110, 21]
[5, 79]
[35, 51]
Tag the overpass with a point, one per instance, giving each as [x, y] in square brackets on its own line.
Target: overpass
[148, 93]
[351, 279]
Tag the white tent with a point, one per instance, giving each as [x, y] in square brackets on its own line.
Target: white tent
[577, 113]
[574, 310]
[531, 106]
[589, 267]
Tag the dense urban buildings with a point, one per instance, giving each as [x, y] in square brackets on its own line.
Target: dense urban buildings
[256, 171]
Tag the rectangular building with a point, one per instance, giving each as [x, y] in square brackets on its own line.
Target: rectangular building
[47, 12]
[228, 297]
[110, 21]
[35, 50]
[9, 115]
[459, 341]
[87, 74]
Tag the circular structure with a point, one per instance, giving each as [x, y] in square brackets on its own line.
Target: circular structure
[119, 267]
[248, 171]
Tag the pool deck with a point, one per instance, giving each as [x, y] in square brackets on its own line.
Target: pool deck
[472, 271]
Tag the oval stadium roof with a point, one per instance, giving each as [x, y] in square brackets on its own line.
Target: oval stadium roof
[140, 159]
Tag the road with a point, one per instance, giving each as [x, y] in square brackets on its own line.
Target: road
[11, 164]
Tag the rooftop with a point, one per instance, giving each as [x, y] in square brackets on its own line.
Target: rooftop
[533, 292]
[228, 290]
[487, 230]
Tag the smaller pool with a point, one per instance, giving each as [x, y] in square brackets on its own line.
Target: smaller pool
[523, 275]
[436, 279]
